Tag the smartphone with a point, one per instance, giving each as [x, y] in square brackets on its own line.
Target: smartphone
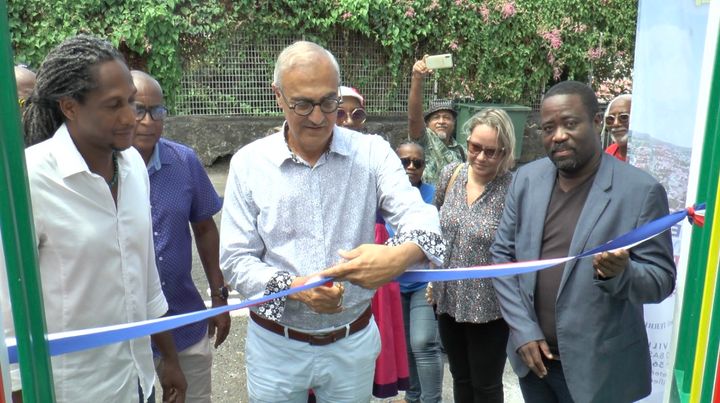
[439, 61]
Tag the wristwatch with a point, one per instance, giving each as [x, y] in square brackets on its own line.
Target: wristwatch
[221, 293]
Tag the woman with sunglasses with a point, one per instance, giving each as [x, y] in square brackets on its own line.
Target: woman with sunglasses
[351, 112]
[421, 331]
[471, 198]
[617, 124]
[391, 367]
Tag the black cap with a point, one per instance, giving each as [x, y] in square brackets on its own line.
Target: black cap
[440, 105]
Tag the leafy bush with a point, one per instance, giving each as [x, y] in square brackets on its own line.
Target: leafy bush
[504, 50]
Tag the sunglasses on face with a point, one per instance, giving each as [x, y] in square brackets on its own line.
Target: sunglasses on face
[358, 115]
[157, 112]
[490, 153]
[623, 118]
[418, 164]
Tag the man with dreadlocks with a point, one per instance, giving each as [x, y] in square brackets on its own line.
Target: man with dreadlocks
[90, 198]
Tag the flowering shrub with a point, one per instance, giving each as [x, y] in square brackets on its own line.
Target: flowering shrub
[503, 50]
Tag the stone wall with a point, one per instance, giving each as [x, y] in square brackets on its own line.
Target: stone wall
[214, 137]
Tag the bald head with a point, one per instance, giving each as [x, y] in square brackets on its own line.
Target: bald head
[145, 80]
[25, 81]
[302, 54]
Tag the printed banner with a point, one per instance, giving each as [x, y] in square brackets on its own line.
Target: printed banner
[668, 56]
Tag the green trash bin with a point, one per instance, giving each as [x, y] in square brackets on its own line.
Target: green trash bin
[518, 115]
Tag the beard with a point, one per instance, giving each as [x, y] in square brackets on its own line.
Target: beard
[566, 164]
[622, 139]
[442, 135]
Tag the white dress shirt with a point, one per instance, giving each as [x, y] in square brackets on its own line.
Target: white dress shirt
[282, 215]
[97, 266]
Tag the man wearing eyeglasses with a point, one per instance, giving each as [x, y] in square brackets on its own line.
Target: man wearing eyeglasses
[301, 203]
[181, 193]
[617, 124]
[435, 129]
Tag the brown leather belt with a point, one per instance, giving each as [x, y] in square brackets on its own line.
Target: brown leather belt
[321, 339]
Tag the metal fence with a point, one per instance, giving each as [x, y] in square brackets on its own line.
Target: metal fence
[238, 81]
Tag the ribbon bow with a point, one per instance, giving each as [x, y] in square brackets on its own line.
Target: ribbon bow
[696, 214]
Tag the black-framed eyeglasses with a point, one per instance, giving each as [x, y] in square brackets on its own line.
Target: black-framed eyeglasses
[490, 153]
[623, 118]
[304, 108]
[418, 164]
[358, 115]
[157, 112]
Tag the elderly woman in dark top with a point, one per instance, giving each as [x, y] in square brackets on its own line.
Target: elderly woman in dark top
[471, 197]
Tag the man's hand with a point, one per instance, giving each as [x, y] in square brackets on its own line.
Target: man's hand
[219, 326]
[371, 266]
[420, 69]
[611, 264]
[320, 299]
[172, 381]
[531, 354]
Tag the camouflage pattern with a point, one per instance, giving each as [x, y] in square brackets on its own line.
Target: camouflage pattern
[438, 154]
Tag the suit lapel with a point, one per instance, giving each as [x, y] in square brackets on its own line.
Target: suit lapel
[597, 200]
[541, 192]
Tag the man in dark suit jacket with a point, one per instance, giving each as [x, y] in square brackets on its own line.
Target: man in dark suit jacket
[577, 330]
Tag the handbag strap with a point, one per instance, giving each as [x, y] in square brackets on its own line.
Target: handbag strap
[454, 176]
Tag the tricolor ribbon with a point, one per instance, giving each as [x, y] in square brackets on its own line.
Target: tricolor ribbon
[78, 340]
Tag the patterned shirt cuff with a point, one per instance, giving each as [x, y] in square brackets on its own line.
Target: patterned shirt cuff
[274, 309]
[431, 243]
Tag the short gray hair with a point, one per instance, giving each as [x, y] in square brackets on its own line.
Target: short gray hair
[301, 52]
[499, 120]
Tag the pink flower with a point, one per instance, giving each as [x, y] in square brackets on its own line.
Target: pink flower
[508, 10]
[346, 15]
[485, 13]
[453, 45]
[410, 12]
[557, 73]
[595, 53]
[551, 58]
[553, 37]
[459, 2]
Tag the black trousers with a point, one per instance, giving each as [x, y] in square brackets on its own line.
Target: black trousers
[476, 354]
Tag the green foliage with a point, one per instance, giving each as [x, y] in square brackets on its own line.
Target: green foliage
[150, 33]
[504, 50]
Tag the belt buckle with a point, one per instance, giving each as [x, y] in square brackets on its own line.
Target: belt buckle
[324, 339]
[329, 338]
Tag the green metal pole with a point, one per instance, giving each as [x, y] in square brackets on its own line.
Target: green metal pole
[712, 131]
[18, 237]
[699, 246]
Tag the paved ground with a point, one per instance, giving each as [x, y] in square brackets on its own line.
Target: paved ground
[228, 367]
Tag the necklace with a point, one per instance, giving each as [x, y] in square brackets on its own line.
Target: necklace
[112, 182]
